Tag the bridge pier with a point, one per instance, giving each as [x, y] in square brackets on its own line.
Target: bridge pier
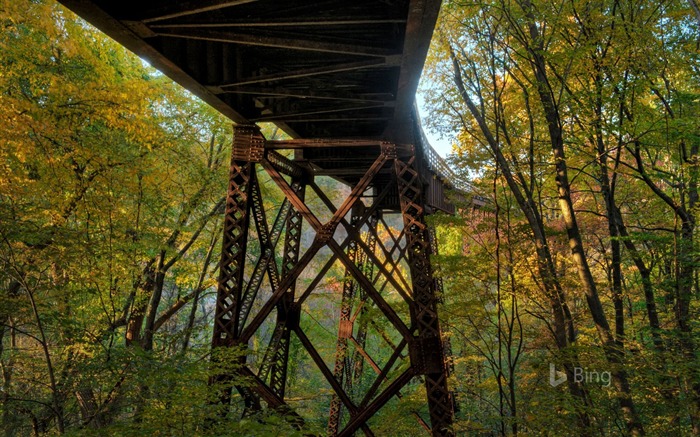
[384, 238]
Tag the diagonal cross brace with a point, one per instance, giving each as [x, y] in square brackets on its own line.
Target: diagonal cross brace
[323, 235]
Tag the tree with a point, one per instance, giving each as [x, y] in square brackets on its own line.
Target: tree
[519, 77]
[110, 185]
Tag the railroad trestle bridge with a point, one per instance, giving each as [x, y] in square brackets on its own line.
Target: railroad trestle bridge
[340, 79]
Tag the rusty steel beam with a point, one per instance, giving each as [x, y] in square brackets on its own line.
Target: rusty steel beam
[287, 312]
[274, 363]
[366, 284]
[293, 197]
[266, 262]
[362, 308]
[333, 110]
[233, 251]
[334, 119]
[307, 93]
[275, 42]
[371, 212]
[274, 299]
[345, 172]
[286, 166]
[308, 345]
[310, 72]
[361, 350]
[234, 242]
[190, 8]
[426, 350]
[359, 419]
[389, 275]
[321, 143]
[344, 331]
[382, 376]
[335, 22]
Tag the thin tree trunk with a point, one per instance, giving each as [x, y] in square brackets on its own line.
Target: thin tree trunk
[564, 331]
[684, 276]
[550, 110]
[607, 188]
[513, 356]
[12, 292]
[138, 307]
[89, 408]
[152, 309]
[56, 403]
[647, 286]
[162, 270]
[195, 300]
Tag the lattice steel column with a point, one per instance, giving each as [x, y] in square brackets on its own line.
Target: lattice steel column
[426, 350]
[274, 366]
[363, 317]
[247, 148]
[344, 331]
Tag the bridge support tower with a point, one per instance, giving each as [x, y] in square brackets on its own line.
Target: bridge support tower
[363, 251]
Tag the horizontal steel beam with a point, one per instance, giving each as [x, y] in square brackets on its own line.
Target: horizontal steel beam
[276, 42]
[189, 8]
[304, 94]
[320, 111]
[389, 61]
[259, 23]
[320, 143]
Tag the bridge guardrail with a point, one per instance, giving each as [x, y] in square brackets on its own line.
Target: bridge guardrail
[437, 164]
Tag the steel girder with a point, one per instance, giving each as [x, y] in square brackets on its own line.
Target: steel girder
[388, 327]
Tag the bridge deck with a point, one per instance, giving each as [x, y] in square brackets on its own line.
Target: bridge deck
[319, 69]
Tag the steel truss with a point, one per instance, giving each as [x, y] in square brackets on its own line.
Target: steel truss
[388, 327]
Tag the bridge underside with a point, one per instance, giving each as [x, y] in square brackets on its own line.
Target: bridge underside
[320, 69]
[340, 79]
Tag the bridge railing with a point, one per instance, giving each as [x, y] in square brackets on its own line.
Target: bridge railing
[437, 164]
[443, 176]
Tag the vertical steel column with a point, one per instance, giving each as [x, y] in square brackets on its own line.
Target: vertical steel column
[358, 361]
[247, 148]
[287, 311]
[344, 329]
[426, 350]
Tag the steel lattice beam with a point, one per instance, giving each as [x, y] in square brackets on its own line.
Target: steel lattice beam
[344, 333]
[287, 312]
[227, 316]
[427, 354]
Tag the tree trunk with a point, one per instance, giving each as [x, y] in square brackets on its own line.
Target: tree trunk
[550, 110]
[684, 274]
[142, 289]
[647, 286]
[564, 331]
[154, 302]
